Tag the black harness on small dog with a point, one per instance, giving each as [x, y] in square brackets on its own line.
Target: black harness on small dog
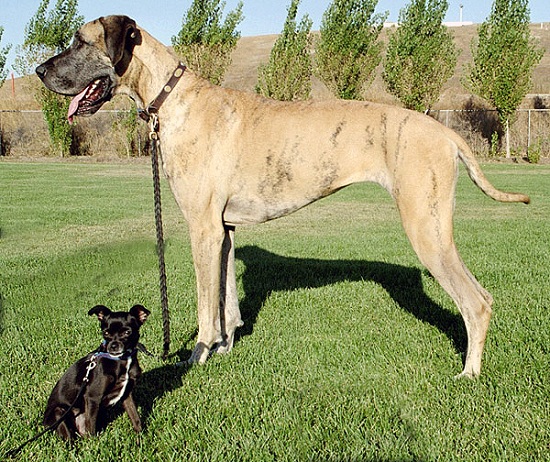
[92, 364]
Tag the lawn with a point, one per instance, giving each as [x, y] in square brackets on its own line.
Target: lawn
[349, 348]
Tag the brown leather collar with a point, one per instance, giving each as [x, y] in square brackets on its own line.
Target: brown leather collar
[155, 105]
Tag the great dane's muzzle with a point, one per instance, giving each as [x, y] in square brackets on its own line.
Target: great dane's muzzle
[87, 72]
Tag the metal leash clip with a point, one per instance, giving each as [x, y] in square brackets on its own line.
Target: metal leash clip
[154, 127]
[91, 366]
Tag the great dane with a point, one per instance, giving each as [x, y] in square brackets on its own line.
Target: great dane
[235, 158]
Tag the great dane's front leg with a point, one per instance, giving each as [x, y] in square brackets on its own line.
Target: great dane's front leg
[230, 315]
[206, 242]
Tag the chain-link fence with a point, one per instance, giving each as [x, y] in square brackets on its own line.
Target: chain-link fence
[529, 132]
[113, 134]
[106, 134]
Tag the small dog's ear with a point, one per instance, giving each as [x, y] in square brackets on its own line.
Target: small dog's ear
[140, 313]
[100, 311]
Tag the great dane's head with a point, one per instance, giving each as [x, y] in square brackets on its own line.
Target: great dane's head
[90, 69]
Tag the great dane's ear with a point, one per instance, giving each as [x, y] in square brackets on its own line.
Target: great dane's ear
[121, 34]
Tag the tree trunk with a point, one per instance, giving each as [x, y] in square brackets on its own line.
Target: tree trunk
[508, 138]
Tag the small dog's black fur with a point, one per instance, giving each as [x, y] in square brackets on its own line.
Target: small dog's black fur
[111, 381]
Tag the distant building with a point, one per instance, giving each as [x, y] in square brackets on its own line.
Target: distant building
[448, 24]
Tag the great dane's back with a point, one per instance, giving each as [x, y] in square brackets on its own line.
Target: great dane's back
[233, 158]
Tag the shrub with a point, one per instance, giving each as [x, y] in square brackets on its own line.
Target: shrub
[287, 75]
[348, 51]
[205, 42]
[534, 152]
[421, 55]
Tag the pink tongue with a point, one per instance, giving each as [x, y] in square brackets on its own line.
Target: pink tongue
[73, 107]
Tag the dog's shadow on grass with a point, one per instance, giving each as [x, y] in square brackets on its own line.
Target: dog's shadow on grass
[155, 383]
[266, 272]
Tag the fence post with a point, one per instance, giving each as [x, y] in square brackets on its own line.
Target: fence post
[528, 130]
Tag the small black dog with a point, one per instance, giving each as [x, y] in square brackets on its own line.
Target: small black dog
[100, 379]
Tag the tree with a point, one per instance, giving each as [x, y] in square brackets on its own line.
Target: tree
[348, 50]
[49, 32]
[3, 56]
[421, 55]
[287, 75]
[205, 42]
[504, 56]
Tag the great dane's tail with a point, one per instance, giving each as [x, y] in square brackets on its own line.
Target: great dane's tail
[474, 171]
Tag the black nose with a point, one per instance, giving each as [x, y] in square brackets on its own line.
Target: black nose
[41, 71]
[115, 347]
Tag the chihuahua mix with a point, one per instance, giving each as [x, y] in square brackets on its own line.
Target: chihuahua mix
[100, 379]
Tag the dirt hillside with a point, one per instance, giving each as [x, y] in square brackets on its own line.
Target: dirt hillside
[252, 51]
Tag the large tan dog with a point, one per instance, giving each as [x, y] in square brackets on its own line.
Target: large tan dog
[233, 158]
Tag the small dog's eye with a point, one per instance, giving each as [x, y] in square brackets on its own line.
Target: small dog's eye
[105, 333]
[126, 332]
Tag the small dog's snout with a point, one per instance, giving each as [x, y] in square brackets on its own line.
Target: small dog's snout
[115, 347]
[41, 71]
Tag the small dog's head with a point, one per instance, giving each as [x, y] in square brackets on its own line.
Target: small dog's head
[120, 329]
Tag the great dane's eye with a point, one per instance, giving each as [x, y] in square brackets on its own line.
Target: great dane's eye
[79, 41]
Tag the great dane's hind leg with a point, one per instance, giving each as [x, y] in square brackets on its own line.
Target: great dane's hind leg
[428, 224]
[230, 315]
[207, 238]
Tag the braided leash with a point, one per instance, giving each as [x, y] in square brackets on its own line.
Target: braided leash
[155, 152]
[150, 115]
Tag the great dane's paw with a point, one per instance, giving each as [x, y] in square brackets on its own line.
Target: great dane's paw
[227, 345]
[466, 376]
[200, 354]
[224, 347]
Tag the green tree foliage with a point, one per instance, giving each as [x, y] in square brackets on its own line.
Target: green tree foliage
[54, 29]
[3, 56]
[54, 109]
[287, 75]
[421, 55]
[504, 56]
[127, 124]
[348, 50]
[206, 41]
[49, 32]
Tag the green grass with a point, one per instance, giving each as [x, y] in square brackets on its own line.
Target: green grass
[349, 348]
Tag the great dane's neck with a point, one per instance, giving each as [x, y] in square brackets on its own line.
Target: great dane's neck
[151, 67]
